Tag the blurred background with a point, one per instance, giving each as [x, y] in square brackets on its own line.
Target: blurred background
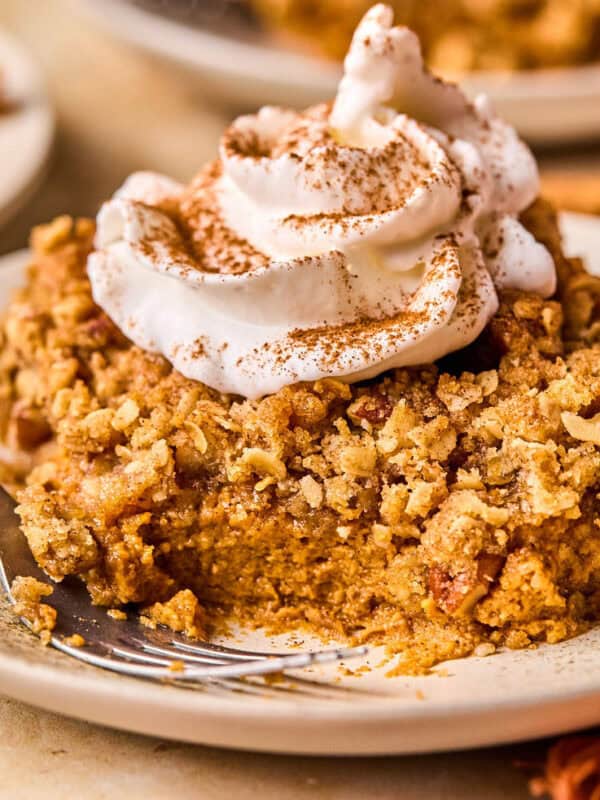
[117, 110]
[150, 84]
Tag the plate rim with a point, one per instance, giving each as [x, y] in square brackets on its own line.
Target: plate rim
[37, 113]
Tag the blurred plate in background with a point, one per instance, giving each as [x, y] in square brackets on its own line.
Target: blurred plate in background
[241, 65]
[26, 128]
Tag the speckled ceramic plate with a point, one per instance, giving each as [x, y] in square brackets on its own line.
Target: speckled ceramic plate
[466, 703]
[26, 130]
[234, 62]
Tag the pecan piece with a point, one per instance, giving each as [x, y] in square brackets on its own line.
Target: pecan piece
[31, 428]
[374, 408]
[458, 594]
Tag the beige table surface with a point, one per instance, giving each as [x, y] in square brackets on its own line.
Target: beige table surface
[119, 111]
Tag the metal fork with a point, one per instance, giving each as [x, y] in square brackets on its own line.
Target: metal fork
[128, 647]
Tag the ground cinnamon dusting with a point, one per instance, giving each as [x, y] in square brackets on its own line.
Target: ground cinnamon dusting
[215, 245]
[372, 181]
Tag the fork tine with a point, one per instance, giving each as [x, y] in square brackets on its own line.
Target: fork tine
[117, 663]
[140, 656]
[208, 648]
[175, 654]
[156, 656]
[180, 654]
[246, 687]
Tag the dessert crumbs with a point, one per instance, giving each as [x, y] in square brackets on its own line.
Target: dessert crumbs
[27, 593]
[76, 640]
[117, 614]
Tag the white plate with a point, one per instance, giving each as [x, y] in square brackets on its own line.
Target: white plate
[26, 132]
[468, 703]
[547, 106]
[581, 235]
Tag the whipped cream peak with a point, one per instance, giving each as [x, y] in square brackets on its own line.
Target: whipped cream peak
[339, 241]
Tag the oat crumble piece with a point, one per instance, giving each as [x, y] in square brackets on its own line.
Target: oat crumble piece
[182, 614]
[76, 640]
[27, 594]
[117, 613]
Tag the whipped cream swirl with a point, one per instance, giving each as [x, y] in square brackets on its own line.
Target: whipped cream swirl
[341, 241]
